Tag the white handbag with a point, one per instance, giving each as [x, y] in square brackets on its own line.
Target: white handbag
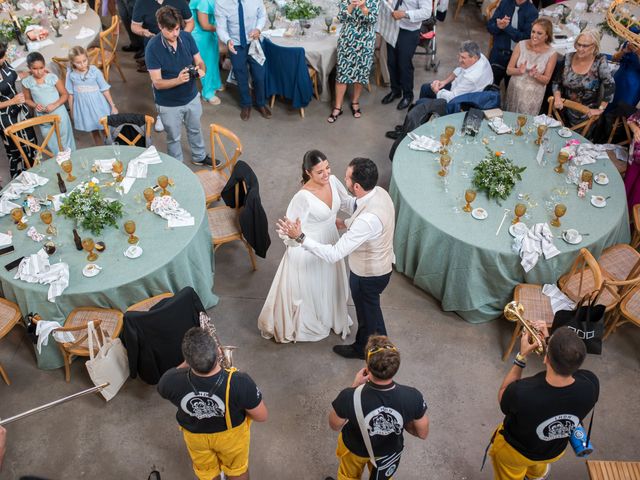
[109, 365]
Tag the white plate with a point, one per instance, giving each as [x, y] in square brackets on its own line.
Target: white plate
[91, 270]
[565, 132]
[601, 178]
[134, 251]
[598, 201]
[479, 213]
[576, 239]
[518, 229]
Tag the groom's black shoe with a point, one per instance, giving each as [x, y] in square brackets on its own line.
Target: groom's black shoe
[348, 351]
[390, 97]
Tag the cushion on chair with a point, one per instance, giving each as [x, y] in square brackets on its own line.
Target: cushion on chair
[223, 222]
[212, 182]
[80, 317]
[618, 261]
[537, 305]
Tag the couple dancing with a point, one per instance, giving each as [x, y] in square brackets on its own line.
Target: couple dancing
[309, 293]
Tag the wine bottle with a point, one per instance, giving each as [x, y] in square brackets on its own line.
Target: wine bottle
[77, 240]
[18, 32]
[61, 184]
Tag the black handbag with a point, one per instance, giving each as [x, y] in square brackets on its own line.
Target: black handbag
[587, 320]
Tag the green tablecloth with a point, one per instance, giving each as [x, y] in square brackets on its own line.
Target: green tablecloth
[460, 260]
[172, 258]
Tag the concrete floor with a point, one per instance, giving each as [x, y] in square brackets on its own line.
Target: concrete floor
[455, 364]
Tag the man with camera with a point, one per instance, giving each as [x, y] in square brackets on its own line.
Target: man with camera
[174, 64]
[373, 414]
[543, 411]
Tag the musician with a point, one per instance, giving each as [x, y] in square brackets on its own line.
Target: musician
[388, 409]
[541, 411]
[215, 408]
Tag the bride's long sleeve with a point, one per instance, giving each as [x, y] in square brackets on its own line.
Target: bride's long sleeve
[298, 209]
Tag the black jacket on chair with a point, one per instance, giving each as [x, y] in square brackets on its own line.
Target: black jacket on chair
[253, 219]
[154, 339]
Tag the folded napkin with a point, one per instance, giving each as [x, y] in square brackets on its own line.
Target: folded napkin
[85, 33]
[498, 126]
[137, 168]
[44, 329]
[56, 200]
[35, 46]
[168, 208]
[587, 153]
[546, 120]
[559, 301]
[6, 206]
[36, 269]
[5, 239]
[256, 52]
[423, 143]
[276, 32]
[105, 166]
[533, 243]
[23, 183]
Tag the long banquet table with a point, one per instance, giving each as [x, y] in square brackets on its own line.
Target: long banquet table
[460, 260]
[172, 258]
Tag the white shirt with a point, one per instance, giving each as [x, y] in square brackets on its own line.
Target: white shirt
[417, 12]
[469, 80]
[365, 227]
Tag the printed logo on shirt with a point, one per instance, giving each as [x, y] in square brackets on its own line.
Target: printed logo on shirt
[557, 427]
[384, 421]
[202, 405]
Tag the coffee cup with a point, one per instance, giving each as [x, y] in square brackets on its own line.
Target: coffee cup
[572, 235]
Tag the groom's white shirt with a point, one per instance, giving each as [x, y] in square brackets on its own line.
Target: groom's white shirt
[366, 226]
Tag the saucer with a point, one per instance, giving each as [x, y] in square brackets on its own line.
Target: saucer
[601, 178]
[479, 213]
[576, 239]
[564, 132]
[91, 270]
[134, 251]
[519, 228]
[598, 201]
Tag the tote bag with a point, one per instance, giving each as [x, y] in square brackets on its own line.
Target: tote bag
[109, 365]
[586, 320]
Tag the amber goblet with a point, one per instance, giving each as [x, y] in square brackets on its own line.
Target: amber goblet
[469, 196]
[118, 168]
[444, 141]
[47, 217]
[522, 121]
[88, 244]
[520, 210]
[559, 210]
[149, 195]
[163, 182]
[67, 167]
[445, 161]
[449, 131]
[563, 157]
[542, 129]
[16, 215]
[130, 228]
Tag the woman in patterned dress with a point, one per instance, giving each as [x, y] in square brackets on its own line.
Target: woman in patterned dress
[355, 51]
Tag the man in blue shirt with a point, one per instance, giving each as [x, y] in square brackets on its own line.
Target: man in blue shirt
[174, 63]
[239, 22]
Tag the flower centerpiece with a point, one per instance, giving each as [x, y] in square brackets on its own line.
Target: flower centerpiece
[88, 207]
[301, 10]
[497, 175]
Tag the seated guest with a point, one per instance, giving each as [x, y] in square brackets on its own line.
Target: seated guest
[627, 77]
[531, 68]
[584, 76]
[632, 177]
[510, 24]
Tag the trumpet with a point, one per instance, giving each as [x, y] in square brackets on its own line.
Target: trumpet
[226, 351]
[513, 312]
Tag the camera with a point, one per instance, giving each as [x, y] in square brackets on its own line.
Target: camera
[193, 72]
[580, 443]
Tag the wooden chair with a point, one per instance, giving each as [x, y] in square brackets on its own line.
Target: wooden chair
[458, 8]
[583, 127]
[635, 239]
[12, 132]
[9, 316]
[611, 470]
[63, 64]
[107, 319]
[491, 9]
[628, 306]
[214, 179]
[108, 50]
[583, 277]
[225, 226]
[148, 303]
[621, 121]
[314, 80]
[148, 120]
[619, 262]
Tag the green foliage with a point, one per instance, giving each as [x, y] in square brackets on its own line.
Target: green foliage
[497, 175]
[301, 10]
[90, 210]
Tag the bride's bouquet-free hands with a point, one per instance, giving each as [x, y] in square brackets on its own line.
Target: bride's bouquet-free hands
[288, 228]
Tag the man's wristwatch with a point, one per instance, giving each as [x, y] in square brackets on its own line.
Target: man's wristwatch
[300, 238]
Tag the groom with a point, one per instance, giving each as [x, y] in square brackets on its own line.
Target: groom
[369, 244]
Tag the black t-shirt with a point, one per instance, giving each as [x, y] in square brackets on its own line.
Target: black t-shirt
[202, 410]
[386, 410]
[144, 12]
[539, 417]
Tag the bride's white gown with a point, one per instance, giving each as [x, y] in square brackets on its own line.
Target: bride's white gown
[308, 296]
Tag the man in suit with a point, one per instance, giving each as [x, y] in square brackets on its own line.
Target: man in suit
[368, 243]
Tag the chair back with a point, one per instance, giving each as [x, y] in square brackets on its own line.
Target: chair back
[635, 240]
[582, 128]
[63, 64]
[13, 131]
[109, 45]
[224, 141]
[584, 264]
[128, 129]
[287, 73]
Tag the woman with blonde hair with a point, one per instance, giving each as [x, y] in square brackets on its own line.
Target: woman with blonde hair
[531, 68]
[585, 73]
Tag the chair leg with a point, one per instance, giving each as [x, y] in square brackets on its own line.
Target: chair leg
[5, 377]
[613, 322]
[115, 62]
[67, 365]
[516, 333]
[613, 129]
[302, 112]
[368, 87]
[273, 100]
[252, 256]
[314, 81]
[458, 8]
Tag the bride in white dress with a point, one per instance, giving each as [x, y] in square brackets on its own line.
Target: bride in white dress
[308, 296]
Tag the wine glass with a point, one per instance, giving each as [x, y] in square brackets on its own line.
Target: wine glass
[563, 157]
[444, 141]
[272, 18]
[163, 182]
[469, 196]
[542, 129]
[522, 121]
[118, 168]
[445, 161]
[55, 24]
[16, 215]
[328, 21]
[449, 131]
[589, 5]
[116, 150]
[88, 244]
[520, 210]
[47, 217]
[582, 25]
[559, 210]
[130, 228]
[149, 195]
[67, 167]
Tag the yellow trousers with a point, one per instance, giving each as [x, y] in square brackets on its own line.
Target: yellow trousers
[351, 465]
[509, 464]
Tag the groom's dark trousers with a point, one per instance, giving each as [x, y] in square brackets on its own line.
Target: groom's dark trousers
[365, 292]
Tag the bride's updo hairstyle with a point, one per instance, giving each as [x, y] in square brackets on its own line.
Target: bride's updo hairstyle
[310, 160]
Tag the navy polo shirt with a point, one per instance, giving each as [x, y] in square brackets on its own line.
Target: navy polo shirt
[144, 12]
[159, 55]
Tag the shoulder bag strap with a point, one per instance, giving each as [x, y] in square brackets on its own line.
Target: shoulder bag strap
[91, 332]
[227, 413]
[590, 424]
[357, 405]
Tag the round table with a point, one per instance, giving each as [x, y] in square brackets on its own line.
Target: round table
[460, 260]
[171, 259]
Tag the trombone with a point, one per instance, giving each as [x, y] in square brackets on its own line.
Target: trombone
[513, 312]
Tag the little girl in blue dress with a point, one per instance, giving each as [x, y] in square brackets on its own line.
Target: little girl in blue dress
[45, 93]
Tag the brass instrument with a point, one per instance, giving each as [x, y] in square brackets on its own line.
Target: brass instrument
[226, 351]
[513, 312]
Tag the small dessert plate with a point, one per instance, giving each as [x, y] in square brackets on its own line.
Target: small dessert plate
[518, 229]
[91, 270]
[598, 201]
[564, 132]
[479, 213]
[572, 236]
[601, 178]
[134, 251]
